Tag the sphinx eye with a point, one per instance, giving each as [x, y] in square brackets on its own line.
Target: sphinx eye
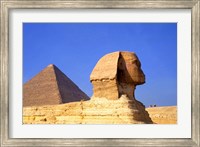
[134, 62]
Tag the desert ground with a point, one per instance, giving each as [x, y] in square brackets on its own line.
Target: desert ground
[163, 115]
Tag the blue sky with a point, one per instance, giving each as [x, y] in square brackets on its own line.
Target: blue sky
[75, 48]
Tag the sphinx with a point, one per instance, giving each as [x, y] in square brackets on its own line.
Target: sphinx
[114, 80]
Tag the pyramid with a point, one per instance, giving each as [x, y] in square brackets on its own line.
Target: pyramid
[49, 87]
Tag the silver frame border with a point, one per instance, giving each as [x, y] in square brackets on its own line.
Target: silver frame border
[7, 5]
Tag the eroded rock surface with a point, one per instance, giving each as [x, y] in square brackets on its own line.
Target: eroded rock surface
[99, 111]
[95, 111]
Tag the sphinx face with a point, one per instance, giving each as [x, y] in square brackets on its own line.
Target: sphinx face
[129, 69]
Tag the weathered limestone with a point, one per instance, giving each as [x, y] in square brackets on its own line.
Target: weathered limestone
[51, 87]
[95, 111]
[103, 77]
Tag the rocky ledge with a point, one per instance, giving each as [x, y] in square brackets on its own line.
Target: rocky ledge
[95, 111]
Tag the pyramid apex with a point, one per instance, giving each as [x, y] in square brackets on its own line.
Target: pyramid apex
[51, 65]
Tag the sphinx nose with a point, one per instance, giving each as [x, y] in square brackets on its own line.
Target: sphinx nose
[142, 73]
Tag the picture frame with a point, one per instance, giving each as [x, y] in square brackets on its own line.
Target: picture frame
[7, 5]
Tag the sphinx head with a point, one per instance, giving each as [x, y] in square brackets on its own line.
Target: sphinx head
[116, 74]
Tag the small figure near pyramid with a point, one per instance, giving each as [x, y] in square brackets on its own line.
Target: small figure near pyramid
[51, 87]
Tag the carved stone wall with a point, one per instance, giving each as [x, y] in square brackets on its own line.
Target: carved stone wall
[95, 111]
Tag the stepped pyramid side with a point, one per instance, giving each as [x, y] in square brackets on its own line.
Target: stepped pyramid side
[51, 87]
[69, 91]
